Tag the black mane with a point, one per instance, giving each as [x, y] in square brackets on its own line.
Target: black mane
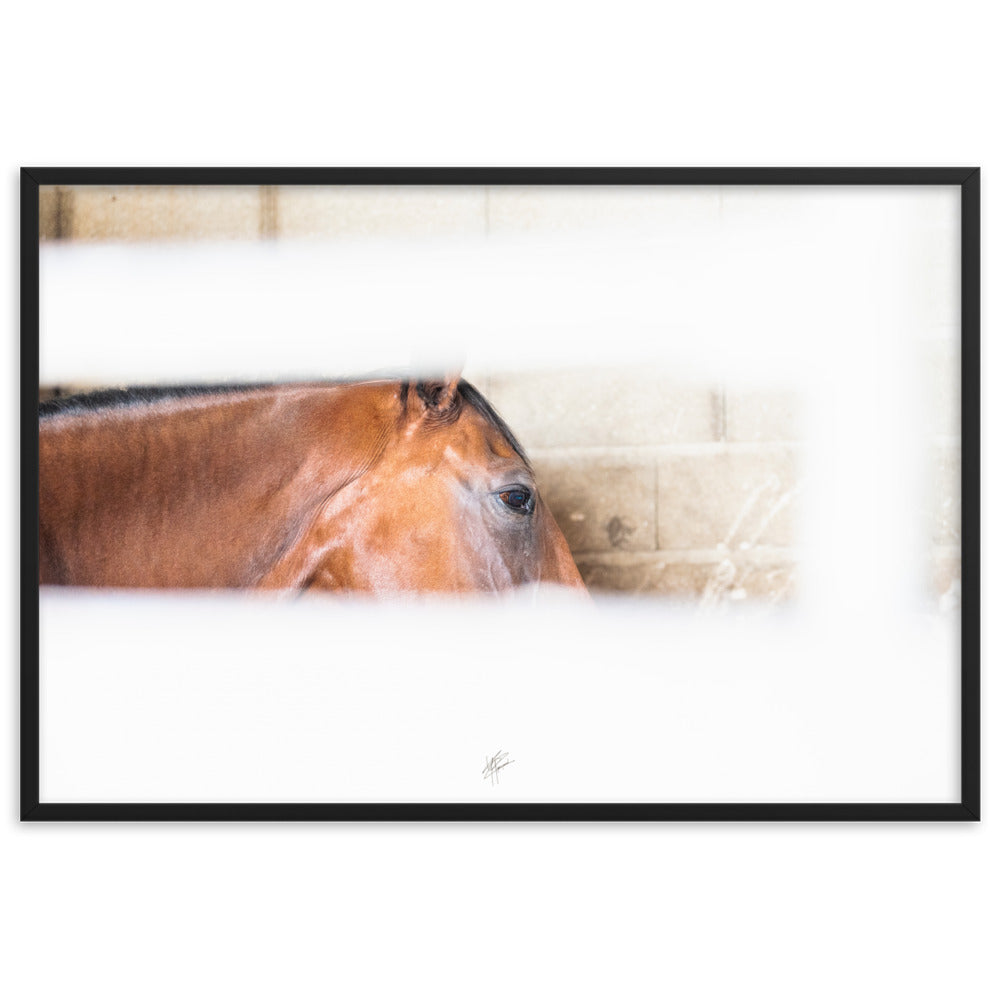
[136, 395]
[141, 395]
[471, 395]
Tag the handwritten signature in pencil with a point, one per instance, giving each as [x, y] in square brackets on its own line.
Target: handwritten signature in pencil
[494, 765]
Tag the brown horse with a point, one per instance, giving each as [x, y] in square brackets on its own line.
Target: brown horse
[381, 487]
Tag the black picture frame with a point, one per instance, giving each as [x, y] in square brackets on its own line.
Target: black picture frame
[968, 179]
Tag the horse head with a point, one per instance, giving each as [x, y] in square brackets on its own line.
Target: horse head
[450, 504]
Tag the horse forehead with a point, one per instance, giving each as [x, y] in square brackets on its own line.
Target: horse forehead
[472, 438]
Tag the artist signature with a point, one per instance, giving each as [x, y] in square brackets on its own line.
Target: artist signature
[494, 765]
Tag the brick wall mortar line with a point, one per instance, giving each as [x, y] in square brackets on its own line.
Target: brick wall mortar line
[268, 222]
[64, 213]
[664, 450]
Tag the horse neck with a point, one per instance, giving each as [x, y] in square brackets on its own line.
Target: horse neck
[154, 488]
[209, 438]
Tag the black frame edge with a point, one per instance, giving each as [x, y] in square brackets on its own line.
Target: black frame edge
[703, 176]
[968, 809]
[970, 499]
[505, 812]
[29, 678]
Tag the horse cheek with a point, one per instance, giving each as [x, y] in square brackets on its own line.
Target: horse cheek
[558, 565]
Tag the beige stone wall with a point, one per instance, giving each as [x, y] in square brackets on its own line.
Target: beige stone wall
[153, 213]
[237, 213]
[661, 487]
[147, 212]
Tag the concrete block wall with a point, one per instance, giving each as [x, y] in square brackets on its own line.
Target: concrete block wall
[94, 213]
[661, 487]
[147, 212]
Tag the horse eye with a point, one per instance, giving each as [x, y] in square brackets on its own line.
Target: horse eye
[517, 498]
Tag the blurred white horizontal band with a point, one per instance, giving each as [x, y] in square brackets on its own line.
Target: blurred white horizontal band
[212, 697]
[764, 290]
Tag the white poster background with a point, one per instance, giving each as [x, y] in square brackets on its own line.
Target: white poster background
[851, 694]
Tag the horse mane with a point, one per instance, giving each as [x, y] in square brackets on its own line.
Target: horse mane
[143, 395]
[471, 395]
[136, 395]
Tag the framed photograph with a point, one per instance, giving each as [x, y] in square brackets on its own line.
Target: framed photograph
[500, 494]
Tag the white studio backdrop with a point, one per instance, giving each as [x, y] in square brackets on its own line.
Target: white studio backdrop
[851, 694]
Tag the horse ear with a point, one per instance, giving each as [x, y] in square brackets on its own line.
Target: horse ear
[436, 396]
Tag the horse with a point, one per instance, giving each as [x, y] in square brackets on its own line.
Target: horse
[382, 487]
